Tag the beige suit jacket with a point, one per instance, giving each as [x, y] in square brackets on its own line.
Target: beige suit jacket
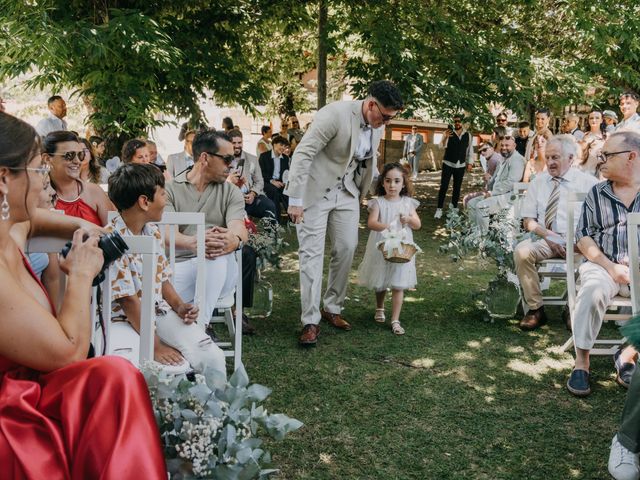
[321, 159]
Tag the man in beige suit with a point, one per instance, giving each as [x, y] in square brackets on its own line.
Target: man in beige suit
[331, 171]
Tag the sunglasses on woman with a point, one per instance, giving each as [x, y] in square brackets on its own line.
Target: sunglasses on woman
[70, 156]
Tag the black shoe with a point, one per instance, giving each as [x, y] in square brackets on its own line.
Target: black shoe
[624, 371]
[212, 334]
[578, 383]
[247, 328]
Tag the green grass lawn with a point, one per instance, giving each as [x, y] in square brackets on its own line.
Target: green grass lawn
[454, 398]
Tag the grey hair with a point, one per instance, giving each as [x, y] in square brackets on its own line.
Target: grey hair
[568, 145]
[630, 138]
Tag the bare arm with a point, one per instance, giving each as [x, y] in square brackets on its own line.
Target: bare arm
[29, 334]
[51, 280]
[532, 225]
[372, 221]
[589, 248]
[102, 202]
[47, 223]
[186, 311]
[412, 220]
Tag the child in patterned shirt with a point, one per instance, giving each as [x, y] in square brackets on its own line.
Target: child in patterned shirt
[137, 191]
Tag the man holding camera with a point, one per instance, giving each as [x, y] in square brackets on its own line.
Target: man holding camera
[458, 157]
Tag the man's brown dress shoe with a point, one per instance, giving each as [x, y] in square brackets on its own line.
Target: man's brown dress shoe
[335, 319]
[533, 319]
[309, 335]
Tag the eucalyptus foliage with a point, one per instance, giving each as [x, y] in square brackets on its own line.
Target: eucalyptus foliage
[210, 428]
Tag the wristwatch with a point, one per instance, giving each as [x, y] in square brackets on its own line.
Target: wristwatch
[240, 243]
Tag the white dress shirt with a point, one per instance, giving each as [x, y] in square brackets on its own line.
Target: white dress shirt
[535, 200]
[50, 124]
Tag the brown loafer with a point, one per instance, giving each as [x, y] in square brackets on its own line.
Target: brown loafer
[336, 320]
[309, 336]
[533, 319]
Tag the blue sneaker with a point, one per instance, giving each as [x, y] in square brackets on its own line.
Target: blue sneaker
[578, 383]
[624, 371]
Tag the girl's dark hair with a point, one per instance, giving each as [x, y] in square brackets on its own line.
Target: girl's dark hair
[130, 147]
[407, 187]
[131, 180]
[94, 166]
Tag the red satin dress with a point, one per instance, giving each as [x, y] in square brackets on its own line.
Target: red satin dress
[79, 208]
[89, 420]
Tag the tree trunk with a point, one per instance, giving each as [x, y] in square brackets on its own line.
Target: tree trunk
[322, 53]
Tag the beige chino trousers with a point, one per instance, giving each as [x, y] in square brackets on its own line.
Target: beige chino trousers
[337, 214]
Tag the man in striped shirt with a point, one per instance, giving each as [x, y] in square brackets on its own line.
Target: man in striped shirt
[602, 238]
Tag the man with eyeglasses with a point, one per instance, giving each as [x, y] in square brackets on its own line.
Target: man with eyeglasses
[458, 157]
[601, 236]
[412, 147]
[330, 172]
[499, 129]
[498, 193]
[629, 102]
[543, 214]
[55, 121]
[571, 127]
[203, 188]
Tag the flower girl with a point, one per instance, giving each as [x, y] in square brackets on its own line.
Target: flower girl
[392, 213]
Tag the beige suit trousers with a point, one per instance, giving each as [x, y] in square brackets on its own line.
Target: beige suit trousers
[337, 214]
[526, 254]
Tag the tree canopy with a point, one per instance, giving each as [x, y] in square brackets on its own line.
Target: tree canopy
[133, 59]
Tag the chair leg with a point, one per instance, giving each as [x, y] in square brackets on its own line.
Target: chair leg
[228, 319]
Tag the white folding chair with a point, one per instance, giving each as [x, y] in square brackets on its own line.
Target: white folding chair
[224, 309]
[633, 221]
[137, 244]
[602, 346]
[224, 305]
[548, 270]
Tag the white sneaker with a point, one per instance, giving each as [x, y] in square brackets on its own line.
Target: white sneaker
[438, 213]
[453, 207]
[623, 463]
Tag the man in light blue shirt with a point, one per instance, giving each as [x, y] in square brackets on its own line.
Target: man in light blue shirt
[55, 121]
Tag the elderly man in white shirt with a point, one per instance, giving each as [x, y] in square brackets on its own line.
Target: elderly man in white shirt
[543, 214]
[55, 121]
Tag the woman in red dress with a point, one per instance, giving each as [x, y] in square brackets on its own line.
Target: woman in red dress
[61, 416]
[77, 197]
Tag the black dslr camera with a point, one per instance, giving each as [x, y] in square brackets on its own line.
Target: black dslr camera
[112, 246]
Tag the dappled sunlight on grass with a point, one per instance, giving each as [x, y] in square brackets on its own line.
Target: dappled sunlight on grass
[464, 356]
[414, 299]
[289, 262]
[543, 366]
[423, 363]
